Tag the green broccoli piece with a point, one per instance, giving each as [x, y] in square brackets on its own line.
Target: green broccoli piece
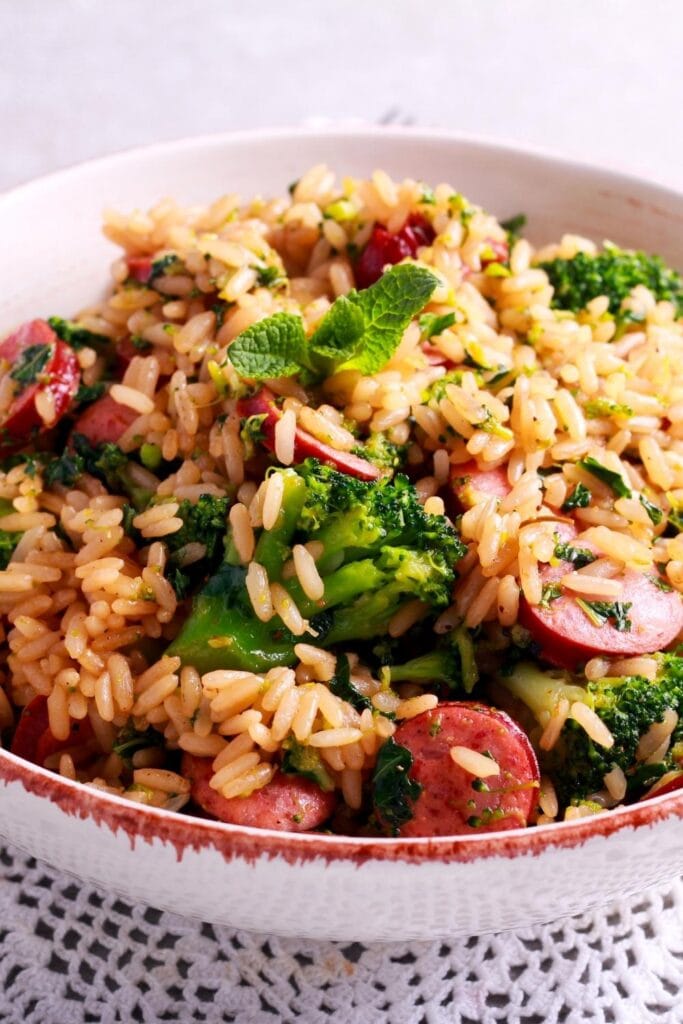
[204, 523]
[379, 550]
[382, 452]
[613, 272]
[8, 538]
[627, 705]
[109, 464]
[451, 664]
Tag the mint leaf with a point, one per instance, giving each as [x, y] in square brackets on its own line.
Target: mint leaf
[388, 306]
[340, 330]
[432, 324]
[360, 331]
[274, 347]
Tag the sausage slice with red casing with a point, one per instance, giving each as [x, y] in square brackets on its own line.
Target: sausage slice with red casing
[289, 803]
[56, 376]
[104, 421]
[468, 485]
[33, 739]
[567, 635]
[305, 445]
[455, 801]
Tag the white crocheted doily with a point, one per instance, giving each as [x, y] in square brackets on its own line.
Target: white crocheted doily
[71, 954]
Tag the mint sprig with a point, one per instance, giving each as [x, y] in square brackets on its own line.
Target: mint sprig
[360, 331]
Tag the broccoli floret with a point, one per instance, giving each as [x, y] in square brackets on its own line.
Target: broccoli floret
[379, 550]
[382, 452]
[204, 523]
[8, 539]
[451, 664]
[108, 463]
[627, 705]
[613, 272]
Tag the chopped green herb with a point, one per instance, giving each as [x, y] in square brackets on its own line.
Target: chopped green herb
[435, 727]
[64, 469]
[129, 514]
[251, 433]
[219, 309]
[513, 226]
[89, 392]
[30, 364]
[598, 407]
[661, 583]
[307, 762]
[614, 480]
[433, 324]
[580, 497]
[427, 197]
[549, 593]
[140, 343]
[8, 538]
[180, 581]
[394, 790]
[341, 686]
[462, 207]
[266, 277]
[654, 511]
[578, 557]
[130, 740]
[600, 612]
[76, 336]
[160, 266]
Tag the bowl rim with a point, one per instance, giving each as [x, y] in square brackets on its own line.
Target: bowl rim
[195, 833]
[343, 131]
[189, 832]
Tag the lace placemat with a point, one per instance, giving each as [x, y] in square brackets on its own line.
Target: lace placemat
[72, 954]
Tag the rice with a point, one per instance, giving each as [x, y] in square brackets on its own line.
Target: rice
[592, 724]
[482, 766]
[510, 390]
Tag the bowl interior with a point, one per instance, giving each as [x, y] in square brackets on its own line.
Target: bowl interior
[56, 261]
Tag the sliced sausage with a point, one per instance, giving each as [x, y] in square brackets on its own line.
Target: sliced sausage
[568, 637]
[33, 739]
[58, 379]
[468, 485]
[289, 803]
[455, 801]
[104, 421]
[305, 445]
[140, 268]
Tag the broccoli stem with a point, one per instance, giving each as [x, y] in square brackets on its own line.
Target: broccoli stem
[542, 691]
[344, 585]
[274, 545]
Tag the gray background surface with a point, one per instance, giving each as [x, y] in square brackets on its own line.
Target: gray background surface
[596, 79]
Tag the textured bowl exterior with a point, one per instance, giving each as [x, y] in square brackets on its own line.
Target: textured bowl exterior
[314, 885]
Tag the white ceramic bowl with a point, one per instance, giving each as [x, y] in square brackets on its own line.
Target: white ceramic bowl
[314, 885]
